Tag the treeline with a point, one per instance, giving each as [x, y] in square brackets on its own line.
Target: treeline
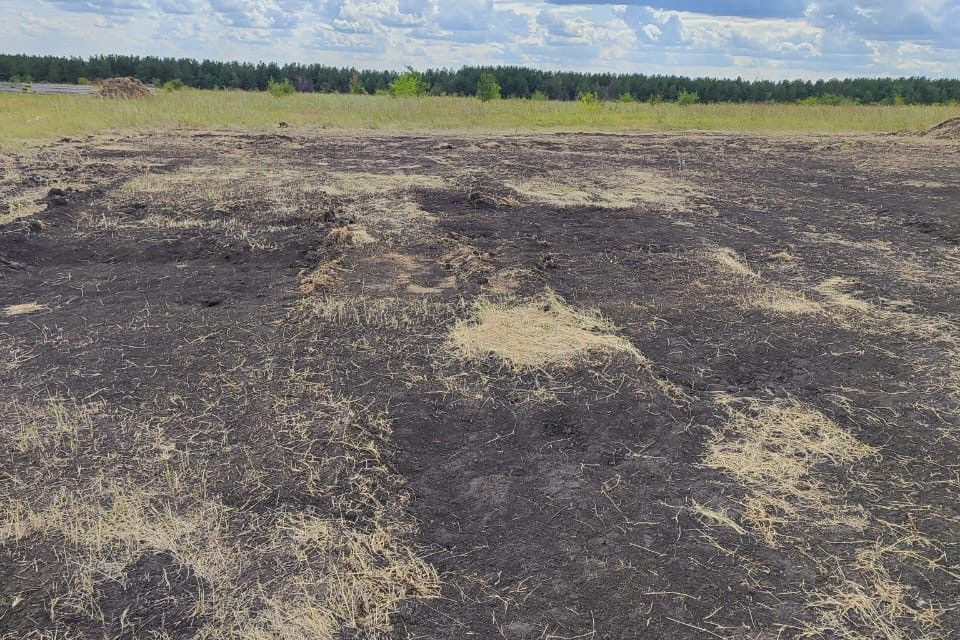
[515, 82]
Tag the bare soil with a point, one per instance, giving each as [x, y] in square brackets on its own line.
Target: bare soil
[233, 403]
[946, 130]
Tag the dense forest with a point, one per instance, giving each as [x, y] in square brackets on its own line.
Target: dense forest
[515, 82]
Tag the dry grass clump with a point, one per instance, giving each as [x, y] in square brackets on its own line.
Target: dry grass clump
[56, 425]
[482, 199]
[888, 318]
[621, 189]
[256, 237]
[728, 261]
[716, 517]
[314, 576]
[836, 292]
[394, 313]
[757, 294]
[467, 261]
[885, 318]
[351, 183]
[344, 578]
[23, 309]
[782, 301]
[192, 187]
[22, 207]
[507, 281]
[109, 529]
[15, 353]
[231, 185]
[396, 222]
[280, 573]
[542, 332]
[868, 602]
[352, 235]
[953, 376]
[775, 450]
[323, 277]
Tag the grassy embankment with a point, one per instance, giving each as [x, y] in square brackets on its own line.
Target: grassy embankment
[25, 118]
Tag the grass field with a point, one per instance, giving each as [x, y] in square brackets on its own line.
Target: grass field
[25, 118]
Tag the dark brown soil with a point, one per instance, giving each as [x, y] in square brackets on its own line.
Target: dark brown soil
[554, 503]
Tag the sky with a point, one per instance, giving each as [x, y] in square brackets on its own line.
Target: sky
[752, 39]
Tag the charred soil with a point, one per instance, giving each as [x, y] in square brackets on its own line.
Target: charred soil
[560, 386]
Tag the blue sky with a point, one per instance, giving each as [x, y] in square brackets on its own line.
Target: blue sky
[748, 38]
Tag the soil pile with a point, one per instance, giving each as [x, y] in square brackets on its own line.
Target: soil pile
[123, 89]
[946, 130]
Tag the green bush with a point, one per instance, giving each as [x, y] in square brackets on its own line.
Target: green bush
[356, 85]
[828, 99]
[589, 99]
[688, 98]
[280, 89]
[539, 96]
[488, 88]
[173, 85]
[627, 97]
[409, 85]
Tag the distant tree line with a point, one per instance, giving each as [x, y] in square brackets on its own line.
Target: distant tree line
[514, 82]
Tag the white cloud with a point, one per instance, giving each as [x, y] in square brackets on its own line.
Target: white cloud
[750, 38]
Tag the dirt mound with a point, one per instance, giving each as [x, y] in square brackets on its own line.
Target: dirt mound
[488, 200]
[123, 89]
[946, 130]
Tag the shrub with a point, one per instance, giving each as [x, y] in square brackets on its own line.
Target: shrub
[627, 97]
[409, 85]
[173, 85]
[488, 88]
[589, 99]
[280, 89]
[832, 99]
[356, 85]
[83, 81]
[655, 98]
[688, 97]
[829, 99]
[538, 96]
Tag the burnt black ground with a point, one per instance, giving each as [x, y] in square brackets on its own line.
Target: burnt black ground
[557, 515]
